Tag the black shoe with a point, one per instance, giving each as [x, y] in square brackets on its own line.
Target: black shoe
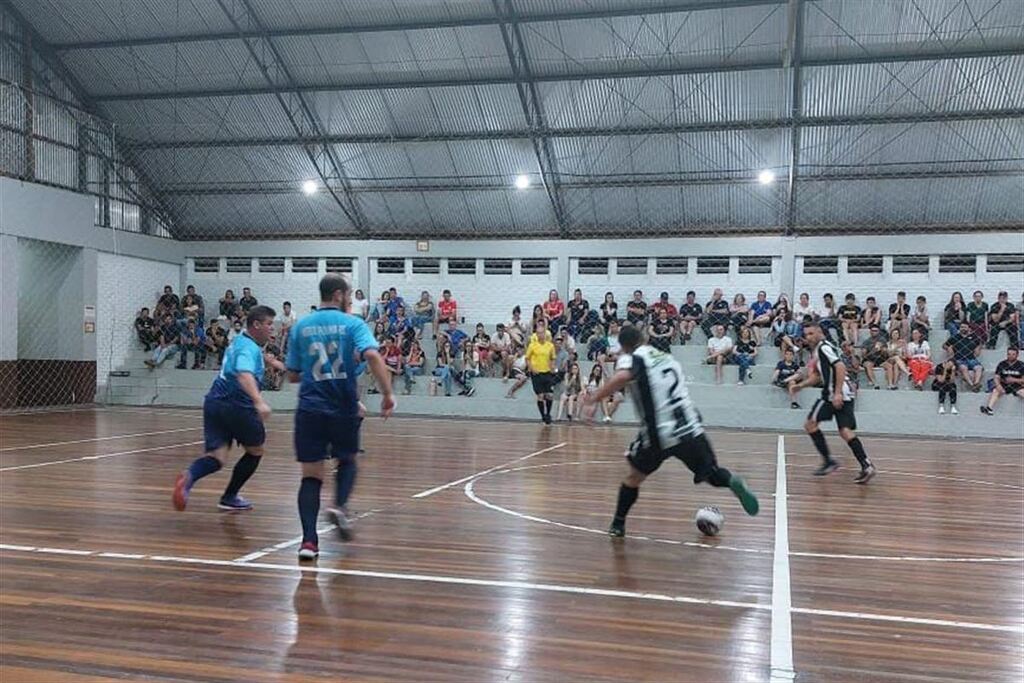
[865, 475]
[617, 529]
[373, 391]
[470, 391]
[985, 410]
[875, 387]
[828, 468]
[794, 405]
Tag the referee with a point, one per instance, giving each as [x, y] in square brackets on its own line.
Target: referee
[540, 358]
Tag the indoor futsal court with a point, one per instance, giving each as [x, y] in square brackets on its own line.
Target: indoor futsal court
[512, 340]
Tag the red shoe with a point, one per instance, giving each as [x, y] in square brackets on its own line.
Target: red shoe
[308, 551]
[181, 488]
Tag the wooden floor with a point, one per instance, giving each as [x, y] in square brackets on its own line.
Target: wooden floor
[480, 556]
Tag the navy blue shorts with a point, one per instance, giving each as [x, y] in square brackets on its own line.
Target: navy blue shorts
[224, 423]
[319, 436]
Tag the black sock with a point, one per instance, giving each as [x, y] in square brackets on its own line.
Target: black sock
[819, 442]
[244, 468]
[627, 496]
[858, 451]
[309, 508]
[540, 408]
[547, 406]
[203, 466]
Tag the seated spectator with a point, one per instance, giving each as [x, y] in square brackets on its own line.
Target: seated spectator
[745, 354]
[965, 349]
[804, 309]
[590, 327]
[874, 353]
[445, 367]
[872, 314]
[954, 313]
[193, 339]
[782, 304]
[848, 355]
[167, 342]
[380, 330]
[554, 312]
[192, 305]
[247, 301]
[787, 333]
[273, 365]
[899, 315]
[284, 322]
[167, 304]
[391, 353]
[380, 309]
[636, 309]
[236, 329]
[567, 342]
[827, 319]
[920, 320]
[571, 393]
[719, 351]
[611, 347]
[787, 376]
[849, 317]
[413, 365]
[481, 349]
[228, 306]
[538, 316]
[919, 359]
[716, 312]
[145, 329]
[760, 316]
[1008, 380]
[501, 351]
[400, 328]
[739, 313]
[519, 373]
[977, 315]
[216, 341]
[662, 331]
[945, 384]
[690, 314]
[454, 335]
[663, 304]
[609, 310]
[576, 312]
[394, 303]
[422, 313]
[360, 305]
[470, 369]
[895, 365]
[517, 329]
[1002, 318]
[447, 310]
[594, 382]
[564, 357]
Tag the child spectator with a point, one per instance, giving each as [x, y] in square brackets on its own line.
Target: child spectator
[481, 352]
[945, 384]
[662, 331]
[412, 365]
[145, 329]
[849, 318]
[786, 376]
[964, 348]
[977, 315]
[1007, 381]
[519, 372]
[788, 333]
[745, 354]
[954, 313]
[571, 393]
[690, 314]
[719, 351]
[919, 359]
[1002, 318]
[422, 313]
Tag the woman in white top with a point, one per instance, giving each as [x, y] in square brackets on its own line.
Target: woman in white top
[804, 308]
[919, 359]
[360, 306]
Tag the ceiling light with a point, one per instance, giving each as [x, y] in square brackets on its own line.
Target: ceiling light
[766, 177]
[522, 182]
[309, 187]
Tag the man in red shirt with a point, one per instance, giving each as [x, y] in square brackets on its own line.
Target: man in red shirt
[447, 310]
[663, 304]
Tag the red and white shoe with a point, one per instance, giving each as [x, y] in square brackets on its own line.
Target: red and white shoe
[308, 551]
[181, 488]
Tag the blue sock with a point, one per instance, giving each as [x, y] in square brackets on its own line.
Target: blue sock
[344, 479]
[203, 466]
[309, 508]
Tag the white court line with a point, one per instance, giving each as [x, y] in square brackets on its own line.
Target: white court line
[97, 457]
[782, 627]
[98, 438]
[518, 585]
[438, 489]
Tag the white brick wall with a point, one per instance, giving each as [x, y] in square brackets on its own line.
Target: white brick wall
[124, 285]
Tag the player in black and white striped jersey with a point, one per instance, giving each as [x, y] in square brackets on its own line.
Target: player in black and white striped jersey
[670, 425]
[836, 401]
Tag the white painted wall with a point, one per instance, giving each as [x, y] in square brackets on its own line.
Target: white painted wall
[50, 299]
[9, 297]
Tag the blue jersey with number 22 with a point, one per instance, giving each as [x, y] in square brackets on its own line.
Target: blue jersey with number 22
[325, 347]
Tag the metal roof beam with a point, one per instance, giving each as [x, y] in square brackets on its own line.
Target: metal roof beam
[794, 54]
[639, 71]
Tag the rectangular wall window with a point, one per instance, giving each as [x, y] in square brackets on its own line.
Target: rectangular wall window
[391, 266]
[821, 264]
[426, 266]
[864, 264]
[535, 266]
[631, 266]
[338, 265]
[497, 266]
[1005, 263]
[592, 266]
[672, 265]
[755, 264]
[206, 265]
[304, 264]
[238, 265]
[271, 265]
[462, 266]
[917, 263]
[713, 265]
[957, 264]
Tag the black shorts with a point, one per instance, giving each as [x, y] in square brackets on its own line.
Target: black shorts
[695, 452]
[319, 436]
[543, 382]
[823, 411]
[225, 423]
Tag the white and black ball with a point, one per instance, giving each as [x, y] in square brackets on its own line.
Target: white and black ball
[709, 520]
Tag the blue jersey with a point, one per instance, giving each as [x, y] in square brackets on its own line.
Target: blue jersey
[326, 348]
[243, 355]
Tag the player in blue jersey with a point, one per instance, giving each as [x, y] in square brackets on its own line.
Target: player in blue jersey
[324, 351]
[234, 411]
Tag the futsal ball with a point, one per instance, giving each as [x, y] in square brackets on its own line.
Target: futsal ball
[710, 520]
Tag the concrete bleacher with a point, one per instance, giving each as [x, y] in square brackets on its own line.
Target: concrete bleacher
[757, 405]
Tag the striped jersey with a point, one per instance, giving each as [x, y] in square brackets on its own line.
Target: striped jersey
[828, 357]
[659, 392]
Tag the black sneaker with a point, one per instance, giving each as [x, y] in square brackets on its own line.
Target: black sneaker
[828, 468]
[794, 405]
[547, 419]
[617, 529]
[987, 411]
[865, 475]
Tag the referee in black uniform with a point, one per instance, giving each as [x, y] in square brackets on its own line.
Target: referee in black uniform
[836, 402]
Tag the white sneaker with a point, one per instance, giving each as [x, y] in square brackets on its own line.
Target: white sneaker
[740, 384]
[607, 419]
[953, 410]
[942, 410]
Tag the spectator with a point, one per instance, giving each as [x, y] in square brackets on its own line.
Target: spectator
[787, 332]
[402, 329]
[899, 315]
[719, 351]
[285, 319]
[145, 329]
[236, 329]
[636, 309]
[611, 347]
[519, 374]
[761, 316]
[895, 365]
[965, 348]
[874, 353]
[193, 339]
[167, 304]
[216, 341]
[804, 309]
[481, 351]
[954, 313]
[782, 304]
[739, 313]
[1002, 318]
[380, 309]
[591, 326]
[502, 351]
[662, 331]
[273, 365]
[571, 393]
[167, 342]
[787, 376]
[456, 336]
[945, 384]
[852, 363]
[568, 342]
[827, 318]
[554, 311]
[563, 357]
[517, 329]
[422, 313]
[872, 314]
[540, 356]
[391, 352]
[447, 310]
[849, 317]
[690, 314]
[445, 367]
[919, 358]
[609, 310]
[1020, 320]
[360, 305]
[192, 306]
[716, 312]
[920, 320]
[247, 301]
[380, 330]
[228, 306]
[412, 366]
[538, 315]
[1007, 381]
[745, 354]
[663, 304]
[577, 312]
[977, 315]
[594, 382]
[394, 303]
